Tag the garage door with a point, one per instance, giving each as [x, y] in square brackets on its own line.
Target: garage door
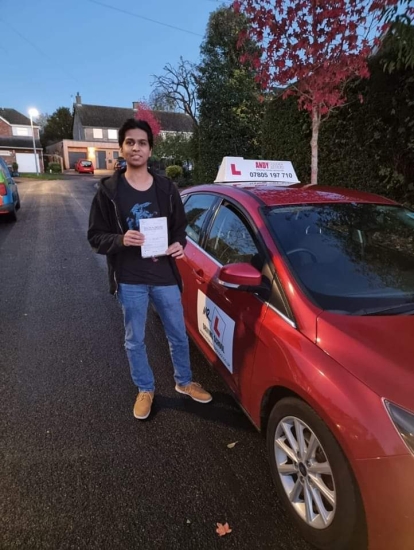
[26, 162]
[74, 157]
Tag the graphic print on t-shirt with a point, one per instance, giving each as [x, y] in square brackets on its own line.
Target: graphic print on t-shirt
[139, 212]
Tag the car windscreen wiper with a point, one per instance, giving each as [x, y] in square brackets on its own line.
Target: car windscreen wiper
[407, 308]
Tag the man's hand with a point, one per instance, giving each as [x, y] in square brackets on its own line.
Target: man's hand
[175, 250]
[133, 238]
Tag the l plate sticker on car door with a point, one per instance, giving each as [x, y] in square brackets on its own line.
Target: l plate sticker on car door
[217, 328]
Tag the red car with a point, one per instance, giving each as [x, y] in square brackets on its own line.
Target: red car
[84, 166]
[303, 299]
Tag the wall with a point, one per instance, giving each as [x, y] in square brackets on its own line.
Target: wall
[5, 129]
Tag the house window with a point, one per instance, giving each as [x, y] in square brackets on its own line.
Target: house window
[115, 154]
[112, 134]
[97, 133]
[21, 131]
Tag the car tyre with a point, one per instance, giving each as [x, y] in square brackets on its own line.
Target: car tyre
[334, 518]
[13, 215]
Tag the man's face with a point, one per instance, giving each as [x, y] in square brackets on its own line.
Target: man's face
[135, 149]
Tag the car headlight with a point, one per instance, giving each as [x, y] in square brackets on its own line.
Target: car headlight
[404, 422]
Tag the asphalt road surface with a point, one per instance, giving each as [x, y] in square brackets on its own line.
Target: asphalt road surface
[77, 470]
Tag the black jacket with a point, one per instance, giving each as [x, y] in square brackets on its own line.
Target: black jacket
[105, 233]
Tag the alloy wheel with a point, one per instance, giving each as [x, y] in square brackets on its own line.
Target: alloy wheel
[305, 472]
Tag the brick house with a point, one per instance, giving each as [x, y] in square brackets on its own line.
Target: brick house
[95, 133]
[16, 141]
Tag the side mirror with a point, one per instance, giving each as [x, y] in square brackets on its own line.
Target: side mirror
[240, 276]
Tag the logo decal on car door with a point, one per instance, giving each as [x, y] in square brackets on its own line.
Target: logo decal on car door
[217, 328]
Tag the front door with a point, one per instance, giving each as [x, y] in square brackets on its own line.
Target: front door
[101, 160]
[228, 321]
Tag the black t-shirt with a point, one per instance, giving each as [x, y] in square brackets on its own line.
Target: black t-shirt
[132, 268]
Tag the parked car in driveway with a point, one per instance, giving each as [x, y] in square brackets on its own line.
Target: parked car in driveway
[9, 194]
[84, 166]
[303, 299]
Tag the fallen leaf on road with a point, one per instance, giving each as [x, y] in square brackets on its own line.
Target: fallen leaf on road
[232, 445]
[223, 529]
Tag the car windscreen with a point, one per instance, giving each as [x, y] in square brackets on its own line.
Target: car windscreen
[350, 258]
[86, 163]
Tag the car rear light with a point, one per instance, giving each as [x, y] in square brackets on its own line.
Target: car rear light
[3, 189]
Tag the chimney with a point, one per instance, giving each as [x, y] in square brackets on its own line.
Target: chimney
[78, 99]
[135, 105]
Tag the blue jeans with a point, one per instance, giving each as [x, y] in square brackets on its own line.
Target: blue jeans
[167, 300]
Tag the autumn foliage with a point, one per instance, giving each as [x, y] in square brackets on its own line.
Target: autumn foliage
[312, 48]
[145, 113]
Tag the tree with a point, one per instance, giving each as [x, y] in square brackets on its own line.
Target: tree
[313, 48]
[230, 101]
[367, 146]
[58, 126]
[175, 147]
[145, 113]
[159, 102]
[177, 89]
[397, 19]
[42, 120]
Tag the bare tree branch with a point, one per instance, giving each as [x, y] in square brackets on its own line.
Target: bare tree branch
[177, 87]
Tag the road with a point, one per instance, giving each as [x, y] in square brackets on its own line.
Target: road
[78, 471]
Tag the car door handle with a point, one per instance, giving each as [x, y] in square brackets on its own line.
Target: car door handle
[199, 275]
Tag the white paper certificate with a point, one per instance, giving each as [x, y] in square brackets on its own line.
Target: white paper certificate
[156, 236]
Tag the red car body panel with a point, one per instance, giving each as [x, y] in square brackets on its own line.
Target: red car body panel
[343, 366]
[372, 348]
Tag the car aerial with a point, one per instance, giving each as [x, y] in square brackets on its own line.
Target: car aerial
[303, 298]
[9, 194]
[120, 164]
[84, 166]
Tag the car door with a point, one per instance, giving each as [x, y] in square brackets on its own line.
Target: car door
[228, 320]
[198, 208]
[11, 185]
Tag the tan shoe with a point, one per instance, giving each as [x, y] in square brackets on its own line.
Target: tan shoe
[195, 391]
[142, 407]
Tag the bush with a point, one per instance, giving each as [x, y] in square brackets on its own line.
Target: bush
[174, 172]
[54, 167]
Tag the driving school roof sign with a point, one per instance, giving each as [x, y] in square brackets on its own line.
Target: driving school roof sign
[239, 170]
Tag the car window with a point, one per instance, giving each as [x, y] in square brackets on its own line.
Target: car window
[197, 207]
[349, 257]
[5, 169]
[230, 239]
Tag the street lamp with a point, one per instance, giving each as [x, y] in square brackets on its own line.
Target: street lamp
[33, 114]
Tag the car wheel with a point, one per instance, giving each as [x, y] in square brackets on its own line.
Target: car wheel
[13, 215]
[313, 478]
[18, 204]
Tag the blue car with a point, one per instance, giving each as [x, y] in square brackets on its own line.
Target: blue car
[9, 194]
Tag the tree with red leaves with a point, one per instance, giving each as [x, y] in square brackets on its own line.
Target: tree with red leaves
[312, 48]
[145, 113]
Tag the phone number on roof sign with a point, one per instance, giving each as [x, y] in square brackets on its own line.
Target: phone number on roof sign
[279, 175]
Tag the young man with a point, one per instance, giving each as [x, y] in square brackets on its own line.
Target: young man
[121, 201]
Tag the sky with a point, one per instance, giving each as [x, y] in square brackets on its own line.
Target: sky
[52, 49]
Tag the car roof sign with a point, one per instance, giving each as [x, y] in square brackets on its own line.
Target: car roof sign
[237, 170]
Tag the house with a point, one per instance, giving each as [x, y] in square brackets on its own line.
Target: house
[95, 133]
[16, 141]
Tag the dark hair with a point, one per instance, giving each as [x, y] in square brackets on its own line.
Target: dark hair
[132, 124]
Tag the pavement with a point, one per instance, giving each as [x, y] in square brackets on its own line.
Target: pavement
[78, 471]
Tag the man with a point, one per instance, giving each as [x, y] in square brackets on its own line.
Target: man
[121, 201]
